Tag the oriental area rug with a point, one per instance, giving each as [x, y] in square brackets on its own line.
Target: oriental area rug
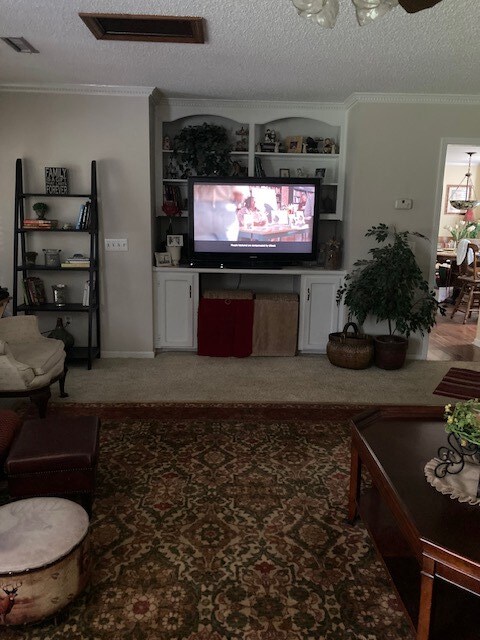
[225, 522]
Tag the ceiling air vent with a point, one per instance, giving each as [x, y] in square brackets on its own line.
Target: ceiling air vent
[20, 45]
[144, 28]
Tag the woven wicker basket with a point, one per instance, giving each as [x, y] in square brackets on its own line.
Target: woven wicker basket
[350, 350]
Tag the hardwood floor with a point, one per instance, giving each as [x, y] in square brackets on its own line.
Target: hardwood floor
[450, 339]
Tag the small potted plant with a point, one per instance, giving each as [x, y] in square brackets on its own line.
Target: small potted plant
[390, 286]
[40, 209]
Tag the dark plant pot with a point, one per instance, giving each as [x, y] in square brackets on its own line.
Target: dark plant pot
[390, 351]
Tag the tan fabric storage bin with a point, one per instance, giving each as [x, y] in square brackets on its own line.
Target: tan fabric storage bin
[275, 324]
[227, 294]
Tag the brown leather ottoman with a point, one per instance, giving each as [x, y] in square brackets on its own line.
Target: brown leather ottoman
[55, 457]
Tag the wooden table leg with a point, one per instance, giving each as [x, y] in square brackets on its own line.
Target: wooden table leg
[355, 481]
[426, 598]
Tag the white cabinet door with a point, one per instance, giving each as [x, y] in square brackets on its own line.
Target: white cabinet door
[319, 313]
[176, 307]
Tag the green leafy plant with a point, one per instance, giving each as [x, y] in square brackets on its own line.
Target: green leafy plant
[464, 421]
[204, 149]
[390, 285]
[40, 209]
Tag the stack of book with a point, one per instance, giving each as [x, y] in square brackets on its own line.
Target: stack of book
[76, 262]
[84, 216]
[35, 223]
[34, 291]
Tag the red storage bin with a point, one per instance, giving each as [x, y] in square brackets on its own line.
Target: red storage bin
[225, 324]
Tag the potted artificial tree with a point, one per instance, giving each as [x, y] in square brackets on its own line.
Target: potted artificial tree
[390, 286]
[204, 149]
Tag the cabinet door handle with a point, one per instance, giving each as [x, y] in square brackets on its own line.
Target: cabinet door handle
[308, 294]
[190, 291]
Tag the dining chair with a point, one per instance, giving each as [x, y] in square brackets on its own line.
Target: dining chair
[469, 278]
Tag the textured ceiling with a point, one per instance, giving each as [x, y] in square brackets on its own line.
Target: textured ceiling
[255, 50]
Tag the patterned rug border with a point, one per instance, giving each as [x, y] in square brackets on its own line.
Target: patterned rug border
[306, 412]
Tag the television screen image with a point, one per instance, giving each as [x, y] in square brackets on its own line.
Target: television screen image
[262, 218]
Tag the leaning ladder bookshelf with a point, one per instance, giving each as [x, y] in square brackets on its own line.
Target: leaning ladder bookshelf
[21, 266]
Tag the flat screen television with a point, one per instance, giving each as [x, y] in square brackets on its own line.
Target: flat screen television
[253, 222]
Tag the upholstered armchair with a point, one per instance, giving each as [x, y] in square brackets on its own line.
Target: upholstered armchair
[29, 362]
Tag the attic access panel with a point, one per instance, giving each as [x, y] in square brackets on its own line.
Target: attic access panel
[141, 28]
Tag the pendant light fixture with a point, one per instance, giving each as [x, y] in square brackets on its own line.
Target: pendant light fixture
[467, 198]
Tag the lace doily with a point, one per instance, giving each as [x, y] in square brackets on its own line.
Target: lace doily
[460, 486]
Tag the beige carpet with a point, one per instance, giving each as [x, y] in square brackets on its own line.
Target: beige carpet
[186, 377]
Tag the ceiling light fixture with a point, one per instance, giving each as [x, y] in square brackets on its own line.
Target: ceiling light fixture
[325, 12]
[20, 45]
[467, 198]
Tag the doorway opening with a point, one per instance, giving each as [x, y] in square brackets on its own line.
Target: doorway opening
[455, 335]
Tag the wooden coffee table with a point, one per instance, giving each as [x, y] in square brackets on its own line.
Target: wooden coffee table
[429, 543]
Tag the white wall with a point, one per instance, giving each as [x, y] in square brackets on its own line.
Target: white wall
[394, 152]
[51, 129]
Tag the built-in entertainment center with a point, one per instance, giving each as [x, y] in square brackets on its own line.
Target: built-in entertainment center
[263, 228]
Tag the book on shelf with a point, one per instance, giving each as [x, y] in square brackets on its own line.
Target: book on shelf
[83, 218]
[80, 216]
[172, 193]
[86, 294]
[34, 291]
[258, 168]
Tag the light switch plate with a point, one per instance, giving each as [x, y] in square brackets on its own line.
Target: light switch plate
[119, 244]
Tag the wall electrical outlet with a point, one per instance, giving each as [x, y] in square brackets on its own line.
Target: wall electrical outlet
[67, 319]
[116, 244]
[404, 203]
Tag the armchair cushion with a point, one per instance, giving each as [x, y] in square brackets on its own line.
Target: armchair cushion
[28, 360]
[41, 355]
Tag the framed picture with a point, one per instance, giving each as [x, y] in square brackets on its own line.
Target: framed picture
[284, 173]
[294, 144]
[163, 259]
[320, 173]
[454, 192]
[175, 241]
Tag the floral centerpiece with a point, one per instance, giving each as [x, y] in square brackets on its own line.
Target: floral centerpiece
[463, 230]
[463, 420]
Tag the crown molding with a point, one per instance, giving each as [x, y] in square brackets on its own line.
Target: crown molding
[249, 104]
[411, 98]
[80, 89]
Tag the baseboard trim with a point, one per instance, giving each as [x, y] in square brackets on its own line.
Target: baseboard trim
[127, 354]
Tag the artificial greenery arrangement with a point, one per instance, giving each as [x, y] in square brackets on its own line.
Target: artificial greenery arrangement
[40, 209]
[464, 229]
[390, 285]
[204, 149]
[464, 421]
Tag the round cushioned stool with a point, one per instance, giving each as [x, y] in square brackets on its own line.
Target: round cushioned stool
[44, 558]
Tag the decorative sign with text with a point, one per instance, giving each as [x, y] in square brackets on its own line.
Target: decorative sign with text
[56, 181]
